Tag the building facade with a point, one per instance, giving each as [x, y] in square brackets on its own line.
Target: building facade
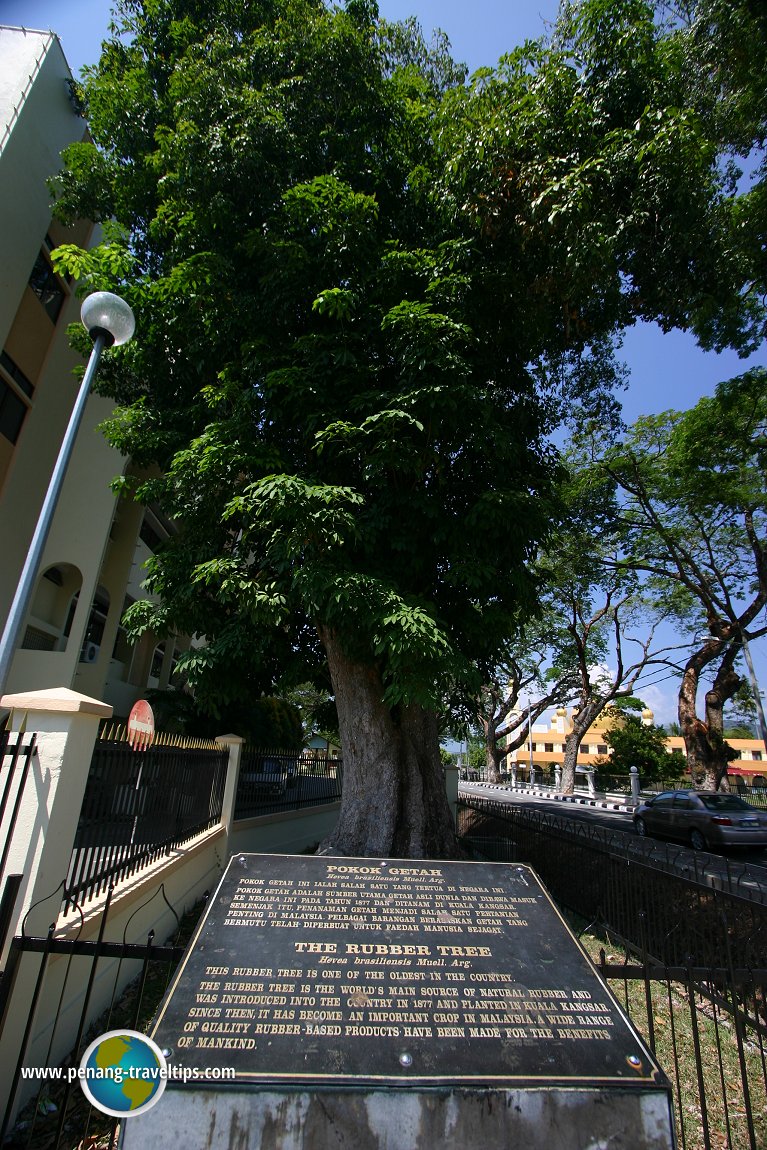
[92, 565]
[545, 746]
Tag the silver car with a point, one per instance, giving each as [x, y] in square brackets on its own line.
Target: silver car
[265, 776]
[702, 819]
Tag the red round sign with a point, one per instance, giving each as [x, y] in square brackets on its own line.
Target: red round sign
[141, 726]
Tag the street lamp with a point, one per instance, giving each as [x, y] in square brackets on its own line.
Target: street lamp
[755, 688]
[109, 321]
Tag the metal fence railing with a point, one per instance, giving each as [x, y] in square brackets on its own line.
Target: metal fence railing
[707, 1029]
[575, 851]
[139, 805]
[278, 780]
[756, 795]
[17, 753]
[55, 1116]
[690, 962]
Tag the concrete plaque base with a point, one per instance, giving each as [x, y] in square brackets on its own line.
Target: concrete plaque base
[536, 1119]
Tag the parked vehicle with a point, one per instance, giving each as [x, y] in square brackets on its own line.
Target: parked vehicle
[702, 819]
[266, 776]
[292, 769]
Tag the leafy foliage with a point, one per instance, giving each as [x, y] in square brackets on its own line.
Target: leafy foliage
[262, 722]
[693, 509]
[358, 280]
[634, 744]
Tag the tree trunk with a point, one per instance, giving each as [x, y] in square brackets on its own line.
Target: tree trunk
[581, 723]
[394, 803]
[569, 763]
[493, 754]
[707, 752]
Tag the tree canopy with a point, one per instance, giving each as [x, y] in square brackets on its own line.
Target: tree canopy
[694, 512]
[351, 269]
[635, 744]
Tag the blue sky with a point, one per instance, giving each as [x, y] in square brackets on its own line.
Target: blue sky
[665, 370]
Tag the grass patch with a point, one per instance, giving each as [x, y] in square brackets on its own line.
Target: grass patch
[715, 1079]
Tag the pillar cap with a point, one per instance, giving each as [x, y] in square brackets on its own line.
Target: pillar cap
[57, 699]
[229, 740]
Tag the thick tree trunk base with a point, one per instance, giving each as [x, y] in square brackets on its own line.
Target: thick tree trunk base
[394, 802]
[567, 781]
[706, 758]
[493, 766]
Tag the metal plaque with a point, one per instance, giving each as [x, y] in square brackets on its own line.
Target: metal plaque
[317, 971]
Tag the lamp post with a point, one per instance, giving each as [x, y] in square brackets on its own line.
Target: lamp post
[108, 320]
[755, 689]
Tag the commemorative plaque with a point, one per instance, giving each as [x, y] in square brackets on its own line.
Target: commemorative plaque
[319, 974]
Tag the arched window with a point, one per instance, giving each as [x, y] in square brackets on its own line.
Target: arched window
[158, 658]
[50, 618]
[94, 632]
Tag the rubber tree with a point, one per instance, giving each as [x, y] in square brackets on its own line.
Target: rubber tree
[346, 262]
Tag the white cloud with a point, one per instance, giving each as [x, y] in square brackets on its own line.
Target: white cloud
[662, 701]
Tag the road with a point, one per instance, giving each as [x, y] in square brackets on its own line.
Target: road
[740, 870]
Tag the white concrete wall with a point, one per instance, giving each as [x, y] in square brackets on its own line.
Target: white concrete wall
[43, 122]
[289, 832]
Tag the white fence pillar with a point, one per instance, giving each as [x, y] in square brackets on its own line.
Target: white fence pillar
[234, 743]
[66, 724]
[634, 787]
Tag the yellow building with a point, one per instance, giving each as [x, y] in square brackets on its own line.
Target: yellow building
[546, 746]
[92, 565]
[750, 764]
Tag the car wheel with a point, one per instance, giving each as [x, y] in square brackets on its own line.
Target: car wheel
[697, 841]
[641, 827]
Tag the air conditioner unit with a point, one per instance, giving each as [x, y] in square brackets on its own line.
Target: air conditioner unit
[90, 653]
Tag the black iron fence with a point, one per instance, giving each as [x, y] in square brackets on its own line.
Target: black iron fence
[532, 827]
[140, 805]
[17, 753]
[687, 959]
[706, 1027]
[754, 794]
[278, 780]
[57, 1116]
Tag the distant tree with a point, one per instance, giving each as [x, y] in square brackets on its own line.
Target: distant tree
[316, 709]
[263, 722]
[475, 751]
[740, 717]
[503, 719]
[695, 516]
[601, 624]
[738, 731]
[636, 744]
